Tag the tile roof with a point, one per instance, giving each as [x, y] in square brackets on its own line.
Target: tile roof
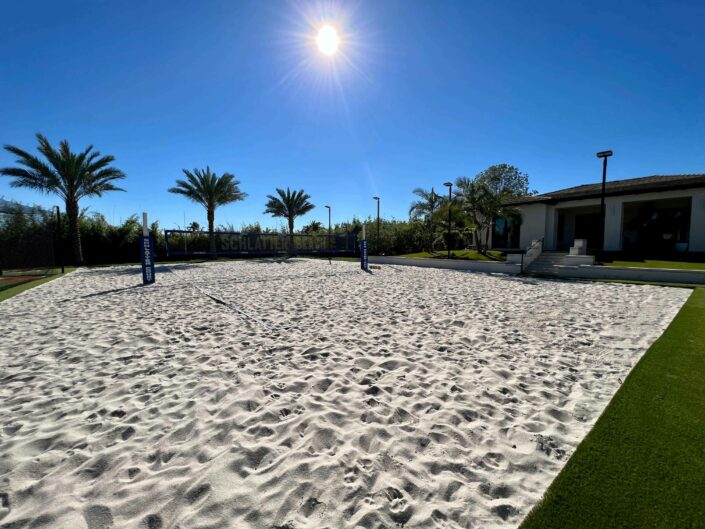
[644, 184]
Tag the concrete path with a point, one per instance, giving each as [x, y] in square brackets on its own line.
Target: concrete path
[491, 267]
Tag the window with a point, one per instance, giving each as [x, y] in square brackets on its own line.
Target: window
[506, 232]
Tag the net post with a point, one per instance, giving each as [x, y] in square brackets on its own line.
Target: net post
[147, 253]
[363, 251]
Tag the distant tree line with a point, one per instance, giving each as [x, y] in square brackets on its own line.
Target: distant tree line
[474, 206]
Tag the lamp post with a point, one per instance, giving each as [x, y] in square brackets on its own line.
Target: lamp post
[449, 185]
[433, 232]
[328, 207]
[378, 244]
[604, 155]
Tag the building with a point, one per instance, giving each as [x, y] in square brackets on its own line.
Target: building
[658, 215]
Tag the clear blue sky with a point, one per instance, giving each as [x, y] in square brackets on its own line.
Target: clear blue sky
[419, 93]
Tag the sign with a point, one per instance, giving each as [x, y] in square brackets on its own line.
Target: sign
[147, 255]
[363, 254]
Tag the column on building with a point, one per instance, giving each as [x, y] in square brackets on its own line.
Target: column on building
[614, 213]
[697, 222]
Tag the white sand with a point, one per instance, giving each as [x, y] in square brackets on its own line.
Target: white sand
[319, 396]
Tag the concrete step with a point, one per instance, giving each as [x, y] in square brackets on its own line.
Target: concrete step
[546, 263]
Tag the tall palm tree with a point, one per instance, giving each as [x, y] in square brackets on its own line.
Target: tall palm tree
[289, 205]
[424, 209]
[72, 176]
[480, 205]
[210, 190]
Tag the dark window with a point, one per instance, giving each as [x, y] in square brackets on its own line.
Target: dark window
[506, 233]
[658, 227]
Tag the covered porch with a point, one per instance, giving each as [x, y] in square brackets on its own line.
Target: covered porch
[582, 222]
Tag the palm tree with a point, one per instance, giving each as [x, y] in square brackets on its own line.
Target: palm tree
[210, 190]
[289, 205]
[312, 227]
[72, 176]
[479, 204]
[425, 208]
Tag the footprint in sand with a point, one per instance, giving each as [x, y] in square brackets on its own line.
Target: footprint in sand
[399, 510]
[350, 477]
[504, 511]
[198, 493]
[98, 517]
[310, 506]
[4, 505]
[153, 521]
[496, 491]
[440, 520]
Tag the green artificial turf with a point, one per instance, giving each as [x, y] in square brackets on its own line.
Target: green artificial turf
[470, 255]
[643, 463]
[7, 293]
[679, 265]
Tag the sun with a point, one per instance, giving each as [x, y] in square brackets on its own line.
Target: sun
[328, 40]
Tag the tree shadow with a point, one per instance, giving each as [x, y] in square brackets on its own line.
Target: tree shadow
[102, 293]
[136, 269]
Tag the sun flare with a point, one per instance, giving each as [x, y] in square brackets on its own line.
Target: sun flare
[328, 40]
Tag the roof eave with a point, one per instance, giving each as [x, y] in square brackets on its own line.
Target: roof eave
[598, 194]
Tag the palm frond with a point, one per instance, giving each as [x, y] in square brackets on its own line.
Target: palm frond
[205, 187]
[289, 204]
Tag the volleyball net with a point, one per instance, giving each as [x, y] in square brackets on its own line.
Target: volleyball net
[185, 243]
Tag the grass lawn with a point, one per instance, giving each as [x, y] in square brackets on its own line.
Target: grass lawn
[21, 286]
[470, 255]
[643, 464]
[680, 265]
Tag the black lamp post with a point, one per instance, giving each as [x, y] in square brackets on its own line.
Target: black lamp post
[604, 155]
[449, 185]
[378, 243]
[433, 232]
[328, 207]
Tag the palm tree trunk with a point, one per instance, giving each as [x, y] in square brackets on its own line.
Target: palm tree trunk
[291, 234]
[211, 234]
[74, 230]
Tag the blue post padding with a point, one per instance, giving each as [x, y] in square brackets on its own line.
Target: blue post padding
[363, 255]
[147, 256]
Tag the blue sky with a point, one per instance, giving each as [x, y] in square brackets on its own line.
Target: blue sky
[419, 93]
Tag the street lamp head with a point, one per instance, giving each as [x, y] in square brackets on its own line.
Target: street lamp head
[375, 198]
[327, 207]
[448, 184]
[604, 154]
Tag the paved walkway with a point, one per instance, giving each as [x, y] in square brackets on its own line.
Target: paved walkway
[453, 264]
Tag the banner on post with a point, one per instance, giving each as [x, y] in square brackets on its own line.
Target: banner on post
[147, 255]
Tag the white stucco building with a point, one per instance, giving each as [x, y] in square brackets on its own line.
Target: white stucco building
[654, 214]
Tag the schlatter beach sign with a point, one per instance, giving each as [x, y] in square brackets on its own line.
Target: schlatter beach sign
[147, 253]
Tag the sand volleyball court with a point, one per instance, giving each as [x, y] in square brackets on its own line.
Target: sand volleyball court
[302, 394]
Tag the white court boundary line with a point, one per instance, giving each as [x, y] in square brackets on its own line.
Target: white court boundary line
[245, 315]
[231, 306]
